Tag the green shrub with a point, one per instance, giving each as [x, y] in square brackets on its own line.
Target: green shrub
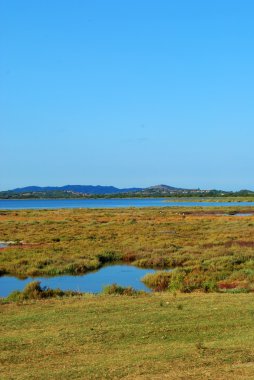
[177, 280]
[33, 290]
[158, 281]
[210, 286]
[153, 262]
[120, 290]
[14, 296]
[108, 257]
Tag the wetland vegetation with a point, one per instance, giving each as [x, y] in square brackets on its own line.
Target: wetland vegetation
[210, 249]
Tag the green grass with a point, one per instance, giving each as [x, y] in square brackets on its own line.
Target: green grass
[157, 336]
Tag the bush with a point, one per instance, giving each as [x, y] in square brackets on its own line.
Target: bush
[153, 262]
[210, 286]
[108, 257]
[129, 257]
[158, 281]
[33, 290]
[14, 296]
[120, 290]
[177, 280]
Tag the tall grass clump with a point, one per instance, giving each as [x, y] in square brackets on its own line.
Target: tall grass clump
[33, 290]
[185, 281]
[157, 281]
[109, 257]
[120, 290]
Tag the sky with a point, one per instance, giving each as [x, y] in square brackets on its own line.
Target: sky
[127, 93]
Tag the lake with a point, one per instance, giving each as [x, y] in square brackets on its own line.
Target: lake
[93, 282]
[108, 203]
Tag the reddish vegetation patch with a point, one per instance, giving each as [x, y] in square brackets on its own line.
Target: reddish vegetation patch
[210, 245]
[246, 243]
[207, 213]
[129, 257]
[232, 285]
[241, 243]
[163, 283]
[27, 245]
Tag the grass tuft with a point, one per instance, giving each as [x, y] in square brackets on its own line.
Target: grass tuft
[120, 290]
[33, 290]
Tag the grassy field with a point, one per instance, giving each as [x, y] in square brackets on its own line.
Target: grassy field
[210, 249]
[157, 336]
[207, 334]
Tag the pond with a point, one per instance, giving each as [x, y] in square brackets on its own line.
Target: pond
[93, 282]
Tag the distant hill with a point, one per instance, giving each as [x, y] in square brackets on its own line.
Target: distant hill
[164, 188]
[89, 191]
[80, 189]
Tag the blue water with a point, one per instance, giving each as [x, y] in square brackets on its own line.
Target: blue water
[93, 282]
[243, 214]
[107, 203]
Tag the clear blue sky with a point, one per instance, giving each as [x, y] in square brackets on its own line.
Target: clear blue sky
[127, 93]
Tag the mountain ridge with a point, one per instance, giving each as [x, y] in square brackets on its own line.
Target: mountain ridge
[90, 191]
[97, 190]
[81, 189]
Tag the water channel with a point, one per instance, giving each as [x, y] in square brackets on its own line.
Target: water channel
[93, 282]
